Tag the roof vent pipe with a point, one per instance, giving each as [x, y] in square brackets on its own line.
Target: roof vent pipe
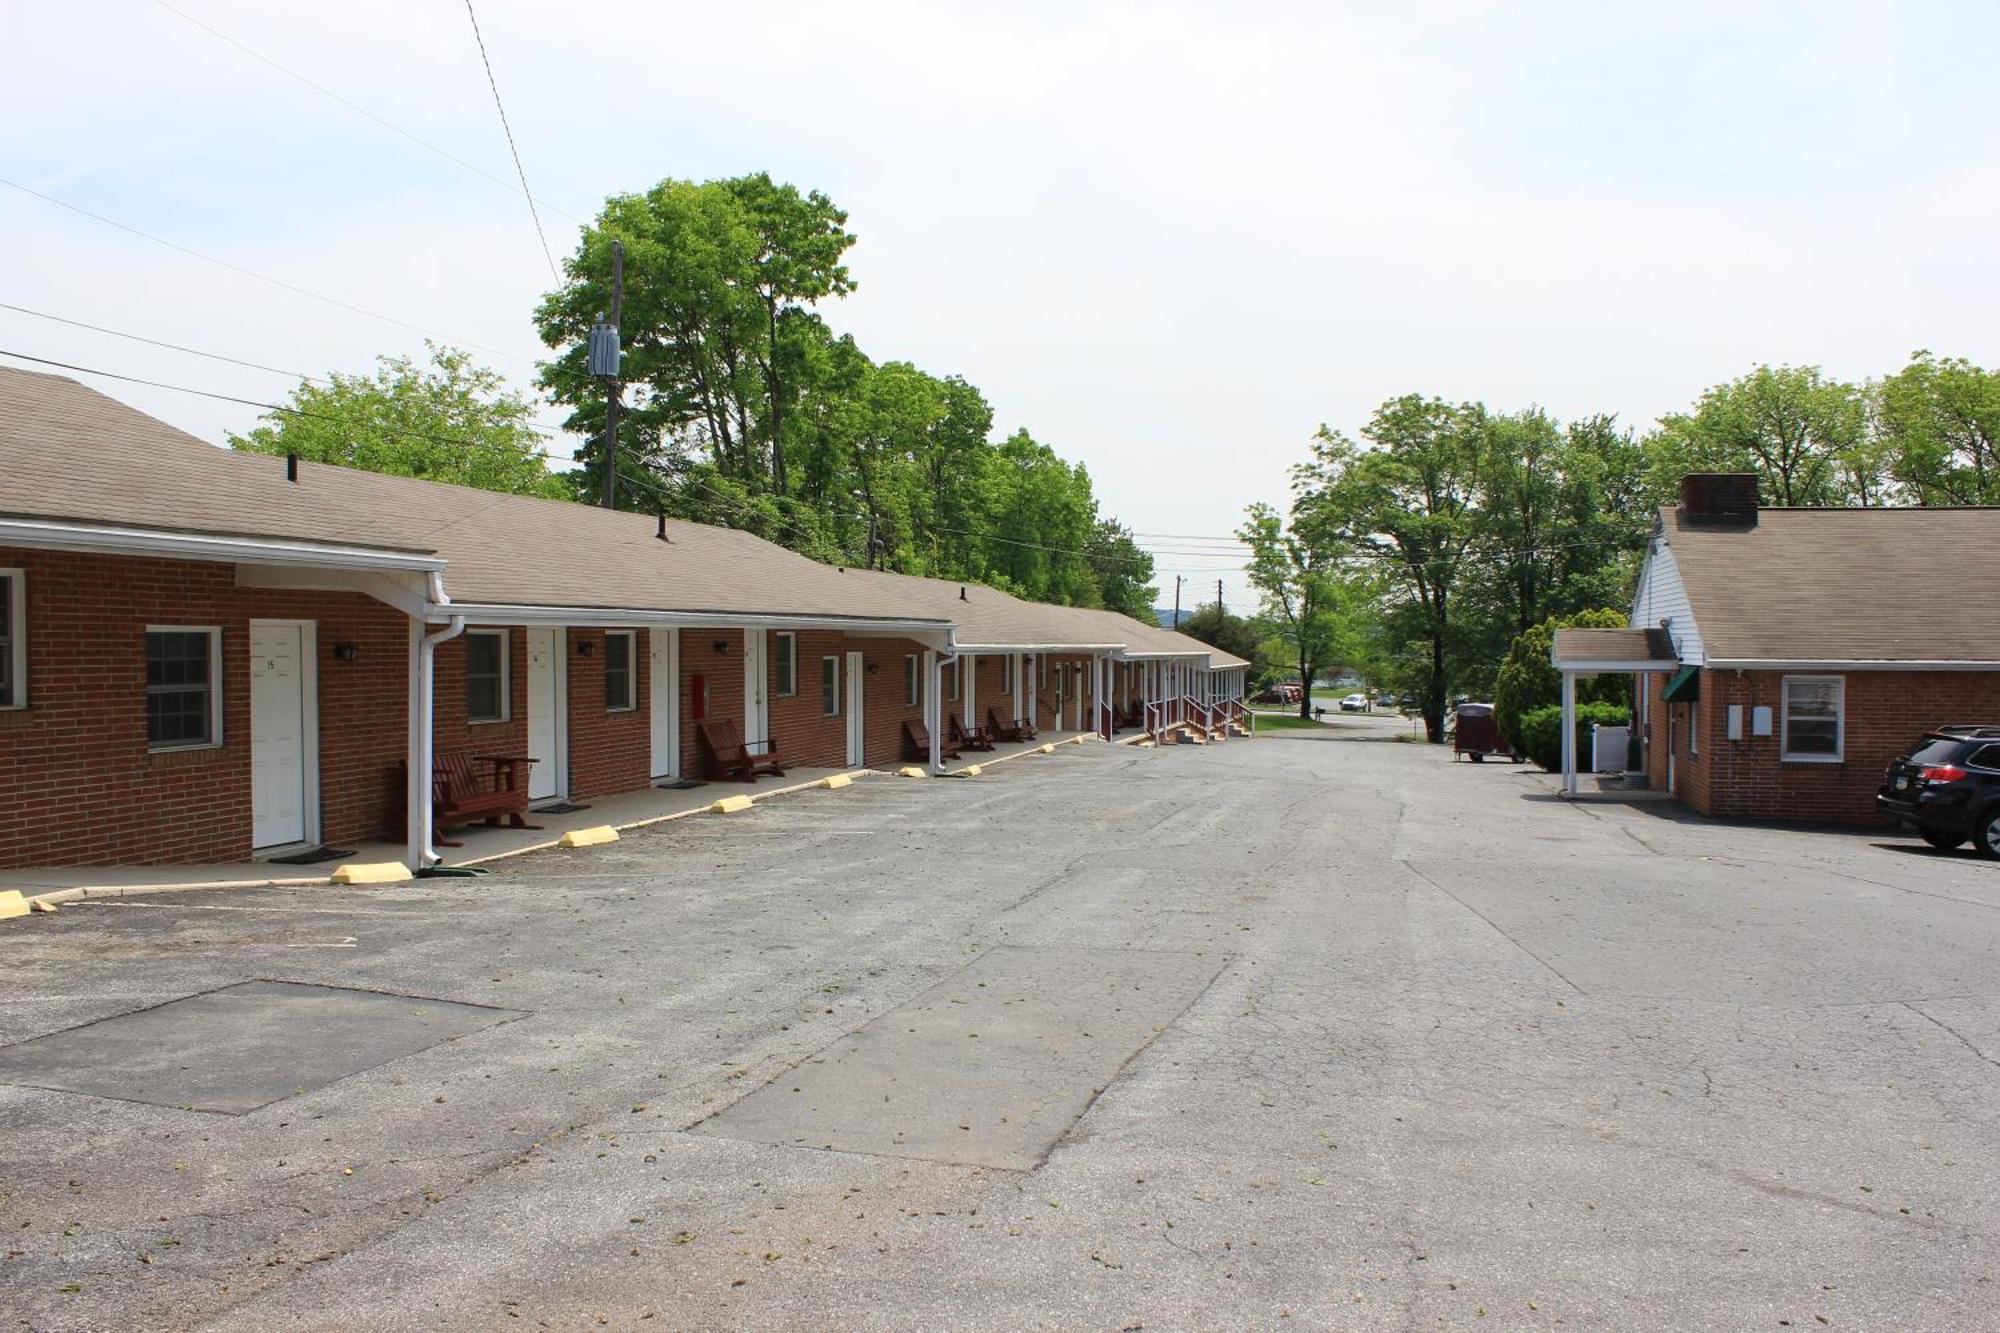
[961, 594]
[291, 467]
[661, 514]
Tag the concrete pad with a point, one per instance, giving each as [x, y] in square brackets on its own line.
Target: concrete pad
[241, 1047]
[988, 1068]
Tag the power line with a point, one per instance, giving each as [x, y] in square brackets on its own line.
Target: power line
[501, 107]
[261, 277]
[549, 426]
[358, 109]
[460, 440]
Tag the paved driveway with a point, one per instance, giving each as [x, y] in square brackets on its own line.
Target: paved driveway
[1317, 1031]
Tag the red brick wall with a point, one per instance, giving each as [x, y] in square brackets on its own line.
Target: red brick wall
[1886, 712]
[449, 727]
[724, 674]
[807, 737]
[77, 784]
[883, 695]
[609, 752]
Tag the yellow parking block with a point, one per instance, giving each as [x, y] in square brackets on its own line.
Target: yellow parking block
[911, 772]
[1050, 748]
[372, 872]
[12, 903]
[971, 770]
[588, 837]
[836, 781]
[730, 805]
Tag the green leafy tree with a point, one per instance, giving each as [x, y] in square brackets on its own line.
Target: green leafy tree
[1413, 503]
[452, 421]
[1217, 627]
[1939, 422]
[1294, 567]
[1804, 435]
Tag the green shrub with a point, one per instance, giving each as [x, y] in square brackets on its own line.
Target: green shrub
[1541, 731]
[1527, 680]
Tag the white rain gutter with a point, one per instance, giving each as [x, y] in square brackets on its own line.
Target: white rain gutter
[497, 613]
[1844, 664]
[56, 534]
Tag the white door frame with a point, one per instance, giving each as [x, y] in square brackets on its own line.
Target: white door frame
[308, 727]
[665, 682]
[756, 689]
[557, 764]
[857, 725]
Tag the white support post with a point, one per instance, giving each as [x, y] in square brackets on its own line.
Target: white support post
[933, 709]
[966, 673]
[1569, 733]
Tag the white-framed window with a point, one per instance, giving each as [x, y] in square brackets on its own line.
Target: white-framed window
[957, 669]
[1007, 674]
[829, 686]
[913, 680]
[1694, 726]
[183, 687]
[489, 696]
[1041, 671]
[13, 639]
[785, 664]
[1815, 719]
[621, 677]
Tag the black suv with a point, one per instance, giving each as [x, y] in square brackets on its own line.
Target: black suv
[1948, 789]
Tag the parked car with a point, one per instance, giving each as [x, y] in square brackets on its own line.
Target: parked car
[1354, 703]
[1948, 789]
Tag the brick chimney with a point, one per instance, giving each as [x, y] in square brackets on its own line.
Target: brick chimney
[1719, 499]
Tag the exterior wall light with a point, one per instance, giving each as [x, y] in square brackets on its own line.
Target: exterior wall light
[347, 652]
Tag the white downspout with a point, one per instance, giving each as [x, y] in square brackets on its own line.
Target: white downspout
[934, 707]
[422, 740]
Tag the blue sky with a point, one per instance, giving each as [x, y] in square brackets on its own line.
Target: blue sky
[1171, 239]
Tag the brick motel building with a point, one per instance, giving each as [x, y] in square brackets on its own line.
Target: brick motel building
[1786, 656]
[208, 655]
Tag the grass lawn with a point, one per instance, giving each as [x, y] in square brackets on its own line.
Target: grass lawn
[1283, 721]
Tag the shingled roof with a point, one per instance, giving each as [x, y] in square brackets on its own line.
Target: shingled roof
[1842, 585]
[76, 455]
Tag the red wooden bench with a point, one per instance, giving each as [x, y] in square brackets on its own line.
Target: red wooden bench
[731, 758]
[974, 739]
[917, 738]
[1014, 729]
[462, 791]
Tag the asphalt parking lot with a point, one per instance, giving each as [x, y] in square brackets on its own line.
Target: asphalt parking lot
[1316, 1031]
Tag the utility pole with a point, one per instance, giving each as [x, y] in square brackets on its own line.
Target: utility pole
[1218, 603]
[1177, 601]
[605, 359]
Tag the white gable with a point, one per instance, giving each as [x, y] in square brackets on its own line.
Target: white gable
[1662, 598]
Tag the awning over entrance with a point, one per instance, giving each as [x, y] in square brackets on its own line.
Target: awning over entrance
[1685, 687]
[1595, 650]
[1583, 652]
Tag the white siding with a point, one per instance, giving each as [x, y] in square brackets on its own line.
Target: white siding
[1662, 596]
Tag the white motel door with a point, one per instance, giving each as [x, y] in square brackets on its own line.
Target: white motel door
[546, 700]
[666, 675]
[277, 734]
[857, 731]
